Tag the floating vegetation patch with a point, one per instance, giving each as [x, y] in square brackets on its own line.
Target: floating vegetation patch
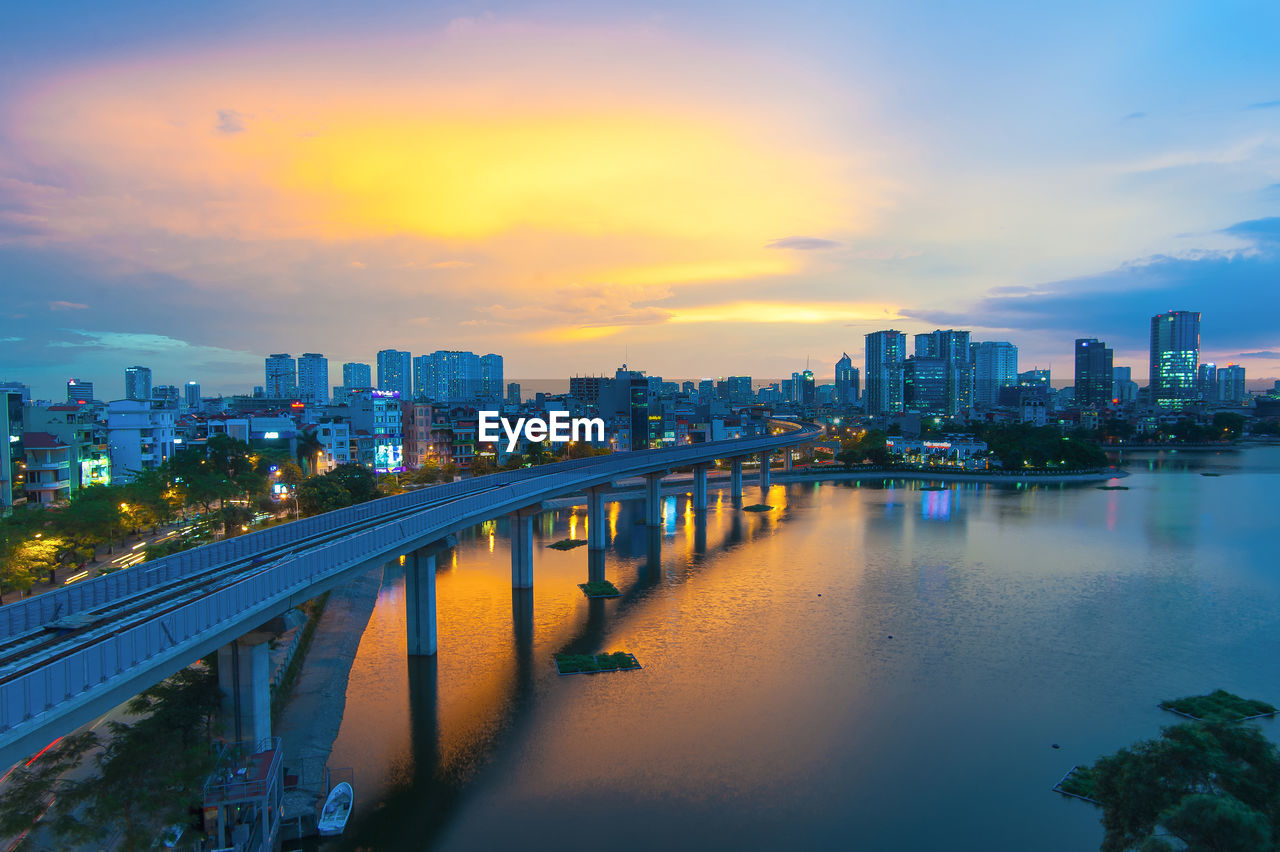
[758, 507]
[599, 589]
[567, 543]
[613, 661]
[1113, 488]
[1218, 706]
[1077, 783]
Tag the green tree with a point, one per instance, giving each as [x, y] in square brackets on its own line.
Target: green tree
[358, 481]
[318, 494]
[1213, 786]
[1228, 425]
[426, 473]
[307, 447]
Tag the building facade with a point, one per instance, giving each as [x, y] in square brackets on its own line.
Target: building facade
[995, 366]
[1094, 373]
[885, 358]
[1175, 356]
[313, 378]
[137, 382]
[281, 376]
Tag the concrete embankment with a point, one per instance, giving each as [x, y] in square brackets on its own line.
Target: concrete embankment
[312, 715]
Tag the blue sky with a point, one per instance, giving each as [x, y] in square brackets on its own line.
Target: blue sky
[703, 189]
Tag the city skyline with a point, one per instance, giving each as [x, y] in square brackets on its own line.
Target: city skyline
[648, 189]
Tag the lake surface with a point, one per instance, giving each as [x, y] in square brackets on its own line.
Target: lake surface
[774, 709]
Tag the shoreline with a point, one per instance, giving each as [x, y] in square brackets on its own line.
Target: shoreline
[720, 479]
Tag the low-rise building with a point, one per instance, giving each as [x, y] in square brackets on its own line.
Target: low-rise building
[48, 468]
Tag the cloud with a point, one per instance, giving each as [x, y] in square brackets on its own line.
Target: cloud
[1265, 353]
[803, 243]
[146, 344]
[11, 339]
[67, 306]
[230, 121]
[452, 264]
[1230, 288]
[1257, 230]
[1264, 105]
[1134, 115]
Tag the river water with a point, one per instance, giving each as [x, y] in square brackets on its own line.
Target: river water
[872, 666]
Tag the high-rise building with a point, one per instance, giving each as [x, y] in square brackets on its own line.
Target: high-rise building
[1124, 390]
[1231, 384]
[1207, 381]
[356, 375]
[137, 383]
[1094, 378]
[738, 390]
[451, 376]
[588, 389]
[491, 377]
[886, 353]
[995, 366]
[166, 396]
[924, 385]
[1175, 354]
[281, 375]
[952, 347]
[802, 388]
[846, 381]
[79, 391]
[395, 372]
[313, 378]
[513, 393]
[191, 395]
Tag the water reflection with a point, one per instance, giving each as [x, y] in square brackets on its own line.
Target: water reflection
[774, 710]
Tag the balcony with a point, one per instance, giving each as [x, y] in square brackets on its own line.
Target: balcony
[53, 465]
[55, 485]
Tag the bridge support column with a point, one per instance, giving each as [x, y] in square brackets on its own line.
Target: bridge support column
[735, 479]
[244, 673]
[786, 459]
[522, 548]
[700, 488]
[420, 601]
[764, 472]
[595, 519]
[653, 499]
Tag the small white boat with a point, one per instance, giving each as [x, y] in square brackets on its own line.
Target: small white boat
[337, 810]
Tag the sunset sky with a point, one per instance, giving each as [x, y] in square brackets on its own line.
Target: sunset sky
[700, 189]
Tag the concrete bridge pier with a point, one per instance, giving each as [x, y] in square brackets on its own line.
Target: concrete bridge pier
[735, 478]
[595, 565]
[764, 472]
[699, 488]
[522, 548]
[653, 499]
[244, 673]
[786, 459]
[595, 519]
[420, 599]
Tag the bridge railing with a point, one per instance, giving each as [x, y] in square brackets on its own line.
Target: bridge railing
[30, 614]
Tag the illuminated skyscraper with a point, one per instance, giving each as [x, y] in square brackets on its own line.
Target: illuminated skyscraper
[395, 372]
[1094, 377]
[952, 347]
[886, 351]
[1231, 384]
[491, 377]
[1175, 354]
[191, 397]
[995, 366]
[356, 375]
[137, 383]
[846, 381]
[79, 391]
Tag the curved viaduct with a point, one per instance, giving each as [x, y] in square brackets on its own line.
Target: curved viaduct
[71, 654]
